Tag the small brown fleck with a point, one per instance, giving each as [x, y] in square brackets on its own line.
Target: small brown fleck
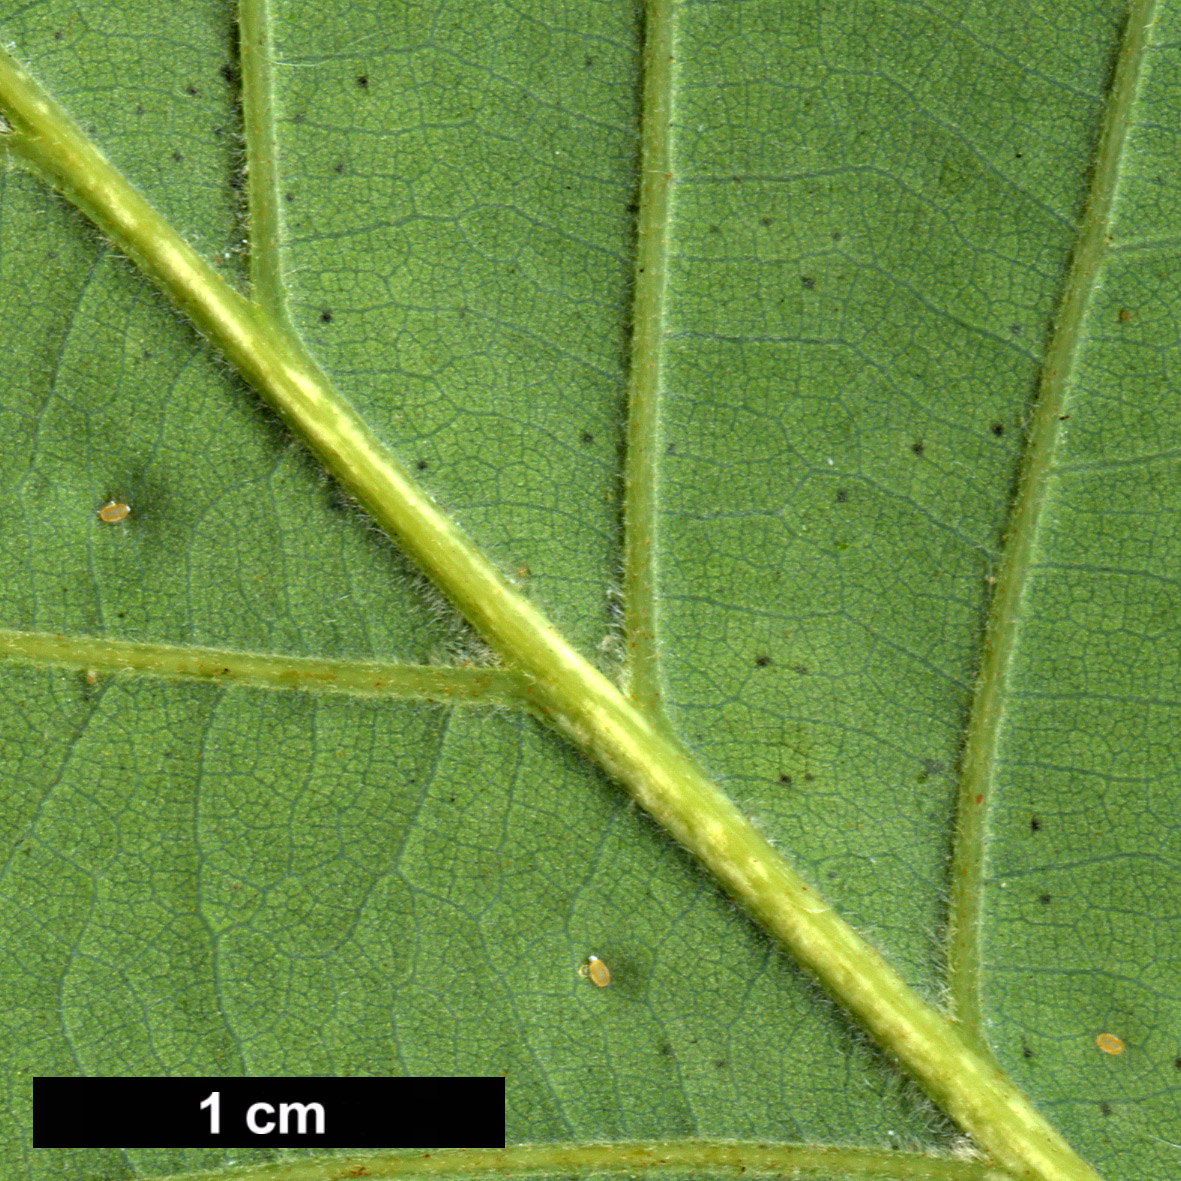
[917, 447]
[808, 281]
[326, 316]
[1046, 899]
[998, 429]
[1035, 824]
[842, 496]
[785, 780]
[1124, 315]
[362, 80]
[762, 661]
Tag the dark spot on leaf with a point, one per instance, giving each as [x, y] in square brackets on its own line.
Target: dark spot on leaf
[765, 221]
[139, 109]
[836, 235]
[587, 62]
[1018, 155]
[998, 429]
[1105, 1107]
[1026, 1052]
[338, 168]
[298, 117]
[147, 355]
[191, 90]
[1045, 899]
[917, 447]
[58, 34]
[809, 777]
[288, 196]
[762, 661]
[736, 179]
[178, 157]
[586, 437]
[633, 207]
[800, 670]
[715, 229]
[1124, 315]
[842, 496]
[671, 449]
[230, 73]
[237, 181]
[785, 780]
[808, 282]
[720, 1064]
[421, 465]
[1063, 417]
[326, 316]
[1035, 824]
[1177, 1063]
[1015, 329]
[666, 1051]
[362, 80]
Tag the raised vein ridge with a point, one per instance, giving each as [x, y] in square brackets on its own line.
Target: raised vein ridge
[99, 658]
[631, 1157]
[256, 52]
[643, 424]
[1017, 559]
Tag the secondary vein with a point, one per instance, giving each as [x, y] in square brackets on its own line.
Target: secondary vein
[633, 1157]
[983, 734]
[256, 52]
[97, 657]
[644, 379]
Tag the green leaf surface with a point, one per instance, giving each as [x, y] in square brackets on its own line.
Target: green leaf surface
[872, 239]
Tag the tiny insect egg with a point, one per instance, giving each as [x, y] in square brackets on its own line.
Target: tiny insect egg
[91, 677]
[1109, 1043]
[599, 973]
[113, 512]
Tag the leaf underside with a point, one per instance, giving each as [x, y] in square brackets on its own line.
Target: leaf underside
[872, 216]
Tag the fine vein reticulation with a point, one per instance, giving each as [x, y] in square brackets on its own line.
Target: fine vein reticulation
[563, 687]
[1016, 567]
[643, 428]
